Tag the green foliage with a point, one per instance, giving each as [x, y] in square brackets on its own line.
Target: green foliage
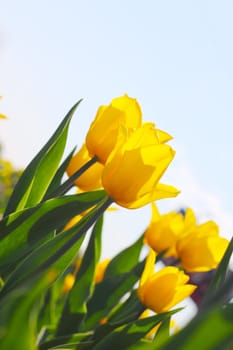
[38, 255]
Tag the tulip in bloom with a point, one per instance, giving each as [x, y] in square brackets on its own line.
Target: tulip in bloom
[134, 168]
[165, 230]
[202, 248]
[160, 291]
[91, 178]
[102, 135]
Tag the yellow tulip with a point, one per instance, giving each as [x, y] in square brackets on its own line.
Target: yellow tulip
[134, 168]
[100, 270]
[68, 283]
[160, 291]
[201, 249]
[91, 178]
[102, 135]
[165, 230]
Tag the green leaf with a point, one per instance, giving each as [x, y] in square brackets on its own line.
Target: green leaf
[36, 178]
[162, 333]
[68, 184]
[57, 180]
[24, 230]
[125, 336]
[75, 308]
[56, 253]
[219, 277]
[113, 289]
[65, 341]
[209, 330]
[19, 314]
[127, 311]
[125, 260]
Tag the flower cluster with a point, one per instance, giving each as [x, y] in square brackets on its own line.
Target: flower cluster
[72, 298]
[122, 143]
[130, 158]
[198, 247]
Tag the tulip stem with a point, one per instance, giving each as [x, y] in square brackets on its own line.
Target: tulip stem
[69, 183]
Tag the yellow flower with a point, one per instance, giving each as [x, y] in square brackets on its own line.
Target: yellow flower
[134, 168]
[164, 230]
[102, 135]
[160, 291]
[91, 178]
[201, 249]
[100, 270]
[68, 283]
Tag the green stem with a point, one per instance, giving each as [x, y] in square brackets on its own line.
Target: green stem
[69, 183]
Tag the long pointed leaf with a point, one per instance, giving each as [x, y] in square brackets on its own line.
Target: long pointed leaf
[19, 314]
[20, 232]
[56, 253]
[219, 276]
[36, 178]
[125, 260]
[113, 289]
[75, 308]
[125, 336]
[57, 180]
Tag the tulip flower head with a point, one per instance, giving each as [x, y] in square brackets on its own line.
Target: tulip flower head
[91, 178]
[165, 230]
[132, 172]
[103, 133]
[201, 249]
[160, 291]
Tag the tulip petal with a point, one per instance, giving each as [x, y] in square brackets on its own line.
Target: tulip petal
[163, 136]
[165, 191]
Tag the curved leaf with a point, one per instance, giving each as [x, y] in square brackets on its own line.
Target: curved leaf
[24, 230]
[36, 178]
[125, 260]
[75, 307]
[56, 253]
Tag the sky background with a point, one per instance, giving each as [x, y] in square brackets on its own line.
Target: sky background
[175, 57]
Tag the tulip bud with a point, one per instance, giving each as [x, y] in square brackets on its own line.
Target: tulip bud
[103, 133]
[165, 230]
[160, 291]
[202, 248]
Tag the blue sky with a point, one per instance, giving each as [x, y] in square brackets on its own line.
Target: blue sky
[175, 57]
